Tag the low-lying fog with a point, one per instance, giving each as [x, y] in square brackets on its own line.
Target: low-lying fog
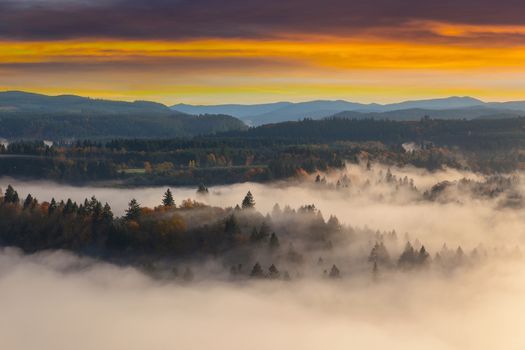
[55, 300]
[463, 220]
[49, 302]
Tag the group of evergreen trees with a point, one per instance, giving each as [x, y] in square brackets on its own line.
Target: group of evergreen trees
[413, 258]
[241, 235]
[90, 227]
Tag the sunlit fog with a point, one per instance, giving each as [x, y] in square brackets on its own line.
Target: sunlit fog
[467, 294]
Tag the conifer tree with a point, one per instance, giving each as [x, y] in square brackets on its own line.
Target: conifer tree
[52, 206]
[202, 189]
[248, 201]
[68, 208]
[334, 272]
[264, 231]
[107, 214]
[422, 257]
[379, 254]
[11, 196]
[133, 211]
[273, 272]
[257, 271]
[408, 257]
[231, 227]
[28, 203]
[168, 201]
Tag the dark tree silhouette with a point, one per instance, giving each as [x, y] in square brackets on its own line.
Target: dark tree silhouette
[133, 211]
[11, 196]
[274, 241]
[274, 272]
[257, 271]
[264, 231]
[28, 202]
[423, 256]
[231, 227]
[202, 189]
[408, 257]
[248, 202]
[168, 201]
[379, 254]
[52, 207]
[107, 214]
[334, 272]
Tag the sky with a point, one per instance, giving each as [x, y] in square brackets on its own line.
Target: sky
[253, 51]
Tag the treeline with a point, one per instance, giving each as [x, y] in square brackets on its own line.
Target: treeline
[200, 160]
[469, 134]
[170, 229]
[271, 152]
[284, 244]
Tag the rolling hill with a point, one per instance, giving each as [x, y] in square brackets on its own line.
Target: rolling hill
[447, 108]
[418, 113]
[34, 116]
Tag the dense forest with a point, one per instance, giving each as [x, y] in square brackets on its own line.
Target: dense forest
[287, 243]
[200, 160]
[272, 152]
[469, 134]
[93, 143]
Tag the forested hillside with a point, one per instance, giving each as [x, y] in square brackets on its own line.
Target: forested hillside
[284, 244]
[33, 116]
[472, 134]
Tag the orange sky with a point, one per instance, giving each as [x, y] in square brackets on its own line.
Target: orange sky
[419, 58]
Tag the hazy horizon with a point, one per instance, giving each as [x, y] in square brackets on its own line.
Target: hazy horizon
[256, 102]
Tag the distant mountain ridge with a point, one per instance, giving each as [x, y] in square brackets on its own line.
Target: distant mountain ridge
[34, 116]
[19, 101]
[478, 112]
[454, 107]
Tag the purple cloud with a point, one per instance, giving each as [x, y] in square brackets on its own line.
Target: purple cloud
[178, 19]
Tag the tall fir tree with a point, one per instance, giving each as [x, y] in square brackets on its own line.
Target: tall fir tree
[248, 202]
[133, 211]
[257, 271]
[107, 214]
[11, 196]
[52, 206]
[168, 201]
[28, 203]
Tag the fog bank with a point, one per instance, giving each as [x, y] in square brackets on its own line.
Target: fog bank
[462, 219]
[57, 301]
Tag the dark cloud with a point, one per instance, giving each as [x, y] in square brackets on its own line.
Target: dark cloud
[179, 19]
[179, 65]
